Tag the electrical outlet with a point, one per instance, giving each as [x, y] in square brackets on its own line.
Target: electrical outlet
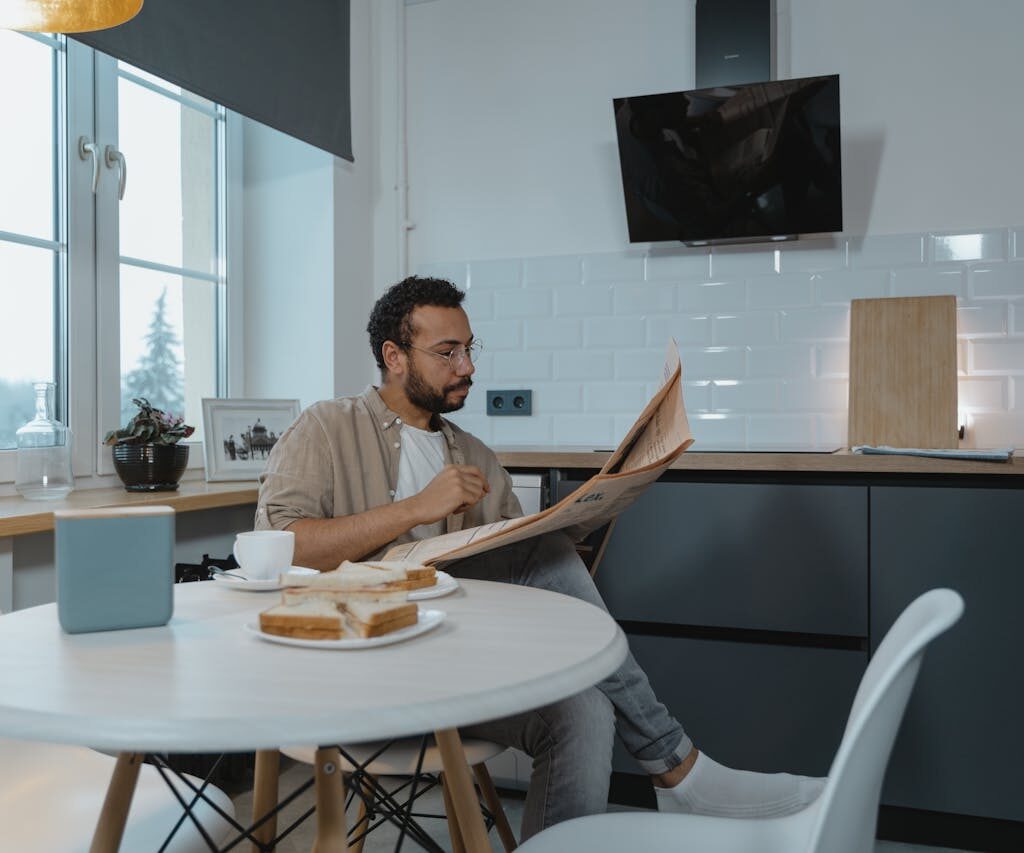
[510, 402]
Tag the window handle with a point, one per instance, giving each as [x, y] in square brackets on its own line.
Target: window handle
[87, 149]
[111, 156]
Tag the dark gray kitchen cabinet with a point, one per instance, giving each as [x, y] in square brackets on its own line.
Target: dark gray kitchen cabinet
[961, 746]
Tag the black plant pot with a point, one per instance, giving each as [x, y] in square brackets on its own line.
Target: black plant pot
[150, 467]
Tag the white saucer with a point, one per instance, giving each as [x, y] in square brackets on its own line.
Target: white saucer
[267, 585]
[445, 585]
[428, 619]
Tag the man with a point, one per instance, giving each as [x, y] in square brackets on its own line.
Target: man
[355, 475]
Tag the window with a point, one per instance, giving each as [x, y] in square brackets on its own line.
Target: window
[111, 298]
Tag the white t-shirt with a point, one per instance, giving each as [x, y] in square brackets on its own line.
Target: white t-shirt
[422, 458]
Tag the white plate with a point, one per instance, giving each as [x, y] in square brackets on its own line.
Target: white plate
[445, 585]
[267, 585]
[428, 619]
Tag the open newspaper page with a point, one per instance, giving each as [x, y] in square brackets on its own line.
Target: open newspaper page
[659, 435]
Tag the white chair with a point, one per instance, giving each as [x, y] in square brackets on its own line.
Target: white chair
[51, 795]
[843, 818]
[402, 758]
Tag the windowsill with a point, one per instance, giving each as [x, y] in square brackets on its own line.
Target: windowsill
[19, 516]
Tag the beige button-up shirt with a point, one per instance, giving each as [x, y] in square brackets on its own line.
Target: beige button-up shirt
[341, 458]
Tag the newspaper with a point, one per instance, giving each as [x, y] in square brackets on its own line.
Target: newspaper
[660, 434]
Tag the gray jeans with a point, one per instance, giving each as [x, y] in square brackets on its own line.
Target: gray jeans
[571, 741]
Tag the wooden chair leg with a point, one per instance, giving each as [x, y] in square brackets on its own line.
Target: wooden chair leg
[359, 826]
[453, 821]
[493, 803]
[117, 803]
[330, 803]
[460, 789]
[265, 794]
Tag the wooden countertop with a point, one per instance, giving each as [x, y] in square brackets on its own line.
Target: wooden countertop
[19, 516]
[838, 462]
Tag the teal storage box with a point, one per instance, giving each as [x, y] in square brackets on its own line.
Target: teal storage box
[115, 568]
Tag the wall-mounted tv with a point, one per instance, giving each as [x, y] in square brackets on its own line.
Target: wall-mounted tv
[732, 163]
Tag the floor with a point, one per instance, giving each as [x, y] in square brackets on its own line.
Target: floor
[385, 837]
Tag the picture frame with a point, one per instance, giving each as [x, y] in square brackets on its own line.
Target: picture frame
[240, 433]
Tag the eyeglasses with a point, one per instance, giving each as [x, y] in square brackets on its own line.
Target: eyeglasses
[456, 357]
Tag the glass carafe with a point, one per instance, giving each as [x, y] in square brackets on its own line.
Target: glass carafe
[44, 452]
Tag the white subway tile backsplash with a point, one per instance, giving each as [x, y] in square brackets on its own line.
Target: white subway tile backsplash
[478, 425]
[614, 332]
[533, 429]
[456, 273]
[714, 362]
[831, 430]
[557, 269]
[717, 430]
[838, 287]
[781, 431]
[975, 246]
[583, 301]
[743, 261]
[815, 395]
[688, 330]
[815, 324]
[928, 281]
[982, 393]
[785, 362]
[583, 365]
[542, 333]
[716, 297]
[642, 364]
[981, 320]
[996, 356]
[585, 430]
[745, 396]
[499, 335]
[479, 305]
[779, 290]
[520, 366]
[614, 267]
[614, 397]
[751, 328]
[649, 299]
[557, 397]
[678, 264]
[762, 330]
[503, 273]
[889, 250]
[1002, 281]
[522, 303]
[813, 255]
[832, 361]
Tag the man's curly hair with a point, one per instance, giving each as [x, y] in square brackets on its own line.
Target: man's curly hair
[390, 317]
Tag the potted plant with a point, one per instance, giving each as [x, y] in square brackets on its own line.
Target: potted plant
[147, 456]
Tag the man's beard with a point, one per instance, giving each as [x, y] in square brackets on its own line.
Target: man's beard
[422, 396]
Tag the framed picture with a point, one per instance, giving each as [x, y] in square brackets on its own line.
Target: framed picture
[241, 433]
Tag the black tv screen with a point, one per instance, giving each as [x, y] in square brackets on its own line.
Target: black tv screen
[732, 163]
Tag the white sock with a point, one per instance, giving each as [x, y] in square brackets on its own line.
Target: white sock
[712, 789]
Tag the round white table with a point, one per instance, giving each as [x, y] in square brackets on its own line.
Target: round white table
[204, 683]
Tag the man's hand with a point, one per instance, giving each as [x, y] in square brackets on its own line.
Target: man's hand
[454, 489]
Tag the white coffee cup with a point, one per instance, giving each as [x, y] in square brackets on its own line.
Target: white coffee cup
[263, 554]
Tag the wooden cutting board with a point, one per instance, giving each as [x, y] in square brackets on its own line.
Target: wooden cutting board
[903, 372]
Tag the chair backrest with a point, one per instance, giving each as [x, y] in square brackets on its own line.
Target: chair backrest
[848, 810]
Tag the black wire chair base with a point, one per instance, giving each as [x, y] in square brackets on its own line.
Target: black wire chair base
[380, 805]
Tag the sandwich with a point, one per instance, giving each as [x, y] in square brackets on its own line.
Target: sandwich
[372, 576]
[334, 614]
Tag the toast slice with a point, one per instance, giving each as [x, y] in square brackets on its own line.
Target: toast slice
[309, 619]
[330, 614]
[352, 576]
[376, 618]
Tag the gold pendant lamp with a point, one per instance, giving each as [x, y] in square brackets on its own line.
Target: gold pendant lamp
[66, 16]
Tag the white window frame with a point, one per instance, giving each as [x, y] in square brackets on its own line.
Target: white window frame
[88, 363]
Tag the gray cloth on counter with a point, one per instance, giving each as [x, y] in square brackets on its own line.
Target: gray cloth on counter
[978, 455]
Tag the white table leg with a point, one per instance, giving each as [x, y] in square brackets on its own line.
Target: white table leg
[330, 803]
[460, 789]
[264, 793]
[114, 814]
